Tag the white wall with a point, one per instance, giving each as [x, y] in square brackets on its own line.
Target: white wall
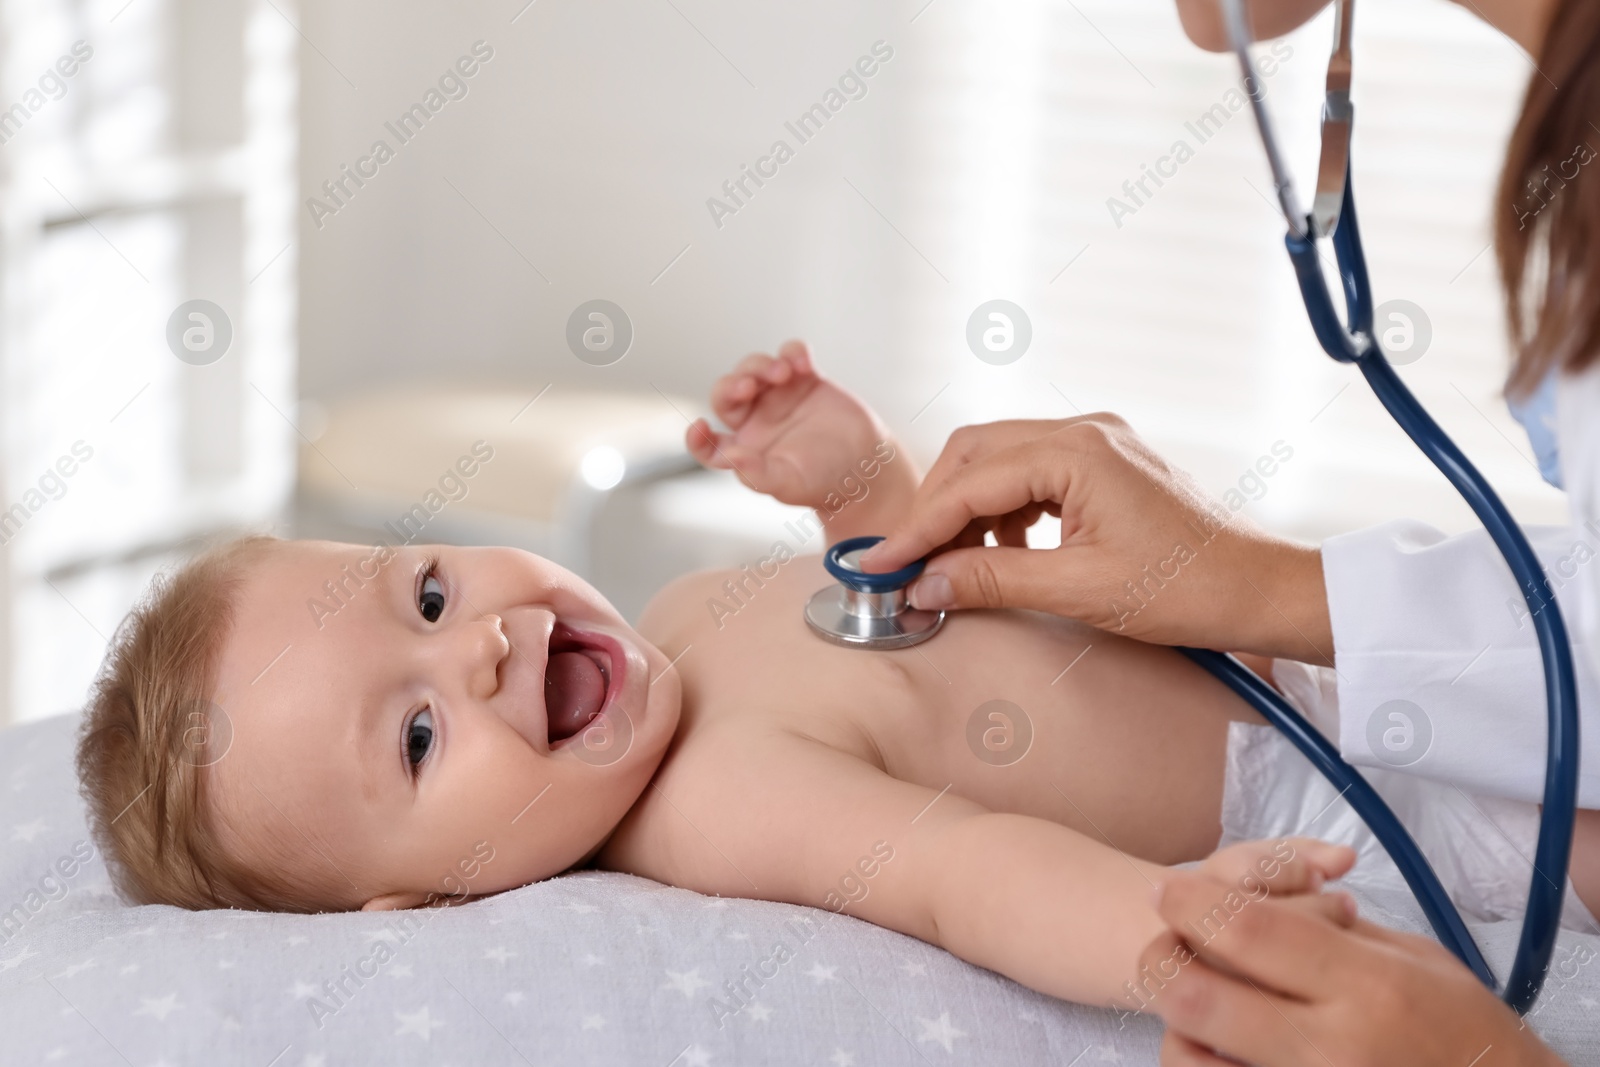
[978, 165]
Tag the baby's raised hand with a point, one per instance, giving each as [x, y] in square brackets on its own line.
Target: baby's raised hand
[793, 434]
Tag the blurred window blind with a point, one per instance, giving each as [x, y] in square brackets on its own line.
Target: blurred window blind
[161, 170]
[1029, 118]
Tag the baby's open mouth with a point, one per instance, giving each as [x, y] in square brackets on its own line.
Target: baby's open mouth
[576, 680]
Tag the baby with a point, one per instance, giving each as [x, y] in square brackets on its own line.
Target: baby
[470, 720]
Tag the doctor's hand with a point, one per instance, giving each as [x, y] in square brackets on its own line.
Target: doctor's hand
[1280, 986]
[1144, 551]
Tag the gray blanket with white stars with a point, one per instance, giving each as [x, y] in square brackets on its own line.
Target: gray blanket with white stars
[592, 967]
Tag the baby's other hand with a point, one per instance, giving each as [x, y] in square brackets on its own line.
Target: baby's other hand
[1291, 866]
[794, 434]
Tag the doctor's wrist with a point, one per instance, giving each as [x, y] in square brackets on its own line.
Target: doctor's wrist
[1289, 605]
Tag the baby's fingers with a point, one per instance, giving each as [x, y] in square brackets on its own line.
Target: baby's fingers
[706, 445]
[798, 354]
[736, 392]
[1285, 866]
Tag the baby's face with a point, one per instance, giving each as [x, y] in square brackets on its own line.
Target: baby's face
[415, 724]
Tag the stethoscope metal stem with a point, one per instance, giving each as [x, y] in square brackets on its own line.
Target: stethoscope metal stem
[864, 610]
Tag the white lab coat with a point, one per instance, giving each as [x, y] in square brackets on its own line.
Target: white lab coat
[1439, 622]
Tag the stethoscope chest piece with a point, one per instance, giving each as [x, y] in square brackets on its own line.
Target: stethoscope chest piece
[868, 610]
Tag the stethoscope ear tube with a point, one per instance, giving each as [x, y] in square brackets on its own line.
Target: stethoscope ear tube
[1352, 341]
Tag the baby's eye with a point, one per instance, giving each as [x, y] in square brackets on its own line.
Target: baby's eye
[419, 738]
[431, 599]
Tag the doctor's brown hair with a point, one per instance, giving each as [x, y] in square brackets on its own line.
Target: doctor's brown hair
[1547, 228]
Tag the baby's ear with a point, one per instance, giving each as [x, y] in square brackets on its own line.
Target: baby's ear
[394, 902]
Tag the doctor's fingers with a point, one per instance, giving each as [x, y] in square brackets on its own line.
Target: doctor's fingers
[1013, 478]
[1253, 1024]
[970, 443]
[1269, 940]
[1179, 1051]
[1207, 1010]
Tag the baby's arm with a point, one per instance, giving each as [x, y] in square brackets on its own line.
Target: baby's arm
[804, 440]
[774, 816]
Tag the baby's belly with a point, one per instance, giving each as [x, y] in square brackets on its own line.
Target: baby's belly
[1018, 711]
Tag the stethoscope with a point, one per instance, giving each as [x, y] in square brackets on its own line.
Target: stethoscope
[870, 610]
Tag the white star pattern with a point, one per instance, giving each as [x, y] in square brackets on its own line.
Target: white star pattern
[499, 952]
[418, 1022]
[158, 1008]
[695, 1056]
[56, 1053]
[16, 961]
[841, 1058]
[1589, 1002]
[591, 960]
[1107, 1054]
[314, 1059]
[738, 935]
[716, 902]
[224, 965]
[400, 970]
[1027, 1016]
[819, 974]
[913, 969]
[219, 935]
[302, 990]
[385, 934]
[685, 982]
[129, 968]
[28, 831]
[298, 939]
[580, 909]
[75, 968]
[758, 1011]
[939, 1030]
[594, 1022]
[514, 997]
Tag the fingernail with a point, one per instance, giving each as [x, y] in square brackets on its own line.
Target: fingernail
[870, 554]
[932, 593]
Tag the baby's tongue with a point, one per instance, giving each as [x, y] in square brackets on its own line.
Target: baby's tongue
[574, 689]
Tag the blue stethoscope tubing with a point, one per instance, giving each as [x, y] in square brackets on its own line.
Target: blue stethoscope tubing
[1354, 343]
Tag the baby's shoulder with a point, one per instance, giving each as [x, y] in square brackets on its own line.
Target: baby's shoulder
[671, 611]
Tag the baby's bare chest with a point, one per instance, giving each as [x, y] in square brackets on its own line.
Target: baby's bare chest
[948, 712]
